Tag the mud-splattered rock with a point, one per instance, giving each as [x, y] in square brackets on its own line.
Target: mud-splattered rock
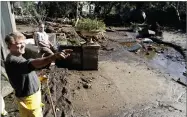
[87, 86]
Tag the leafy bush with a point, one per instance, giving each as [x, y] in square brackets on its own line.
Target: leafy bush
[90, 25]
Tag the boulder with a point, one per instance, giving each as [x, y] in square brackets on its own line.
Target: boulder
[147, 40]
[146, 33]
[135, 47]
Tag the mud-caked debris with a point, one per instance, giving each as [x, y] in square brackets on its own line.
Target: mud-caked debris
[86, 82]
[60, 93]
[87, 85]
[185, 73]
[87, 79]
[78, 87]
[135, 48]
[107, 49]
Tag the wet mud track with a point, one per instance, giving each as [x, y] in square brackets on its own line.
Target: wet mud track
[167, 57]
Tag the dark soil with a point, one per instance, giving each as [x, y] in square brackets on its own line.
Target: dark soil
[59, 90]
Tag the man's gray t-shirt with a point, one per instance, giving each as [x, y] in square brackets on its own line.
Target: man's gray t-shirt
[42, 37]
[21, 75]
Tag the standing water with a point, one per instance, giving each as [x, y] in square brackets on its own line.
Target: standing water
[166, 59]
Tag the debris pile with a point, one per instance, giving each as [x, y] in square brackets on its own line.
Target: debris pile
[60, 93]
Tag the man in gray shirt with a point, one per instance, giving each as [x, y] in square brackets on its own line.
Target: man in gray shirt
[45, 46]
[42, 40]
[22, 76]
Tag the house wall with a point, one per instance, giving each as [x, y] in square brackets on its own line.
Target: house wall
[7, 24]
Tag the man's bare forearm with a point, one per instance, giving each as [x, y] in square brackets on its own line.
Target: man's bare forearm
[43, 44]
[42, 62]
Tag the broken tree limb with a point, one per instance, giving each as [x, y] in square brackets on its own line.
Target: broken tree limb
[77, 22]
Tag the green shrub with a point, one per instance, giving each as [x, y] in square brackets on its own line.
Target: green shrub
[90, 25]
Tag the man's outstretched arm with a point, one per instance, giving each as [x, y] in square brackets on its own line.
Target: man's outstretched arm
[42, 62]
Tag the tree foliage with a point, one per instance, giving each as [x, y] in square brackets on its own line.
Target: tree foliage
[120, 12]
[60, 9]
[33, 11]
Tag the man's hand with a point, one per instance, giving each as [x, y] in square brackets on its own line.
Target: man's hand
[64, 54]
[42, 62]
[67, 51]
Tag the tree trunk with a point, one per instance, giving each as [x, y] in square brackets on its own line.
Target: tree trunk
[77, 11]
[177, 11]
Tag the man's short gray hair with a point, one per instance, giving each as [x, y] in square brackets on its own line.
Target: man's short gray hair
[12, 37]
[40, 23]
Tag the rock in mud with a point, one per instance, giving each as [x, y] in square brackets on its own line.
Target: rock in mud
[108, 49]
[135, 48]
[87, 85]
[87, 79]
[185, 73]
[147, 40]
[84, 80]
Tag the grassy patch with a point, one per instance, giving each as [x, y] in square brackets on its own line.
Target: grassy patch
[90, 25]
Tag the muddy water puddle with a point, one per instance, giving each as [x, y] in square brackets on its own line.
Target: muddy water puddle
[164, 58]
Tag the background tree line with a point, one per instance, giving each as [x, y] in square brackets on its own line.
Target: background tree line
[113, 13]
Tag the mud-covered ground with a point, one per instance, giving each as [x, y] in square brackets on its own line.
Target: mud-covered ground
[55, 90]
[125, 85]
